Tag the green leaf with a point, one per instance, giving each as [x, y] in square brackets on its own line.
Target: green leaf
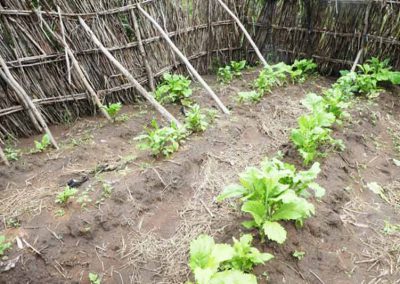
[200, 251]
[222, 252]
[256, 209]
[233, 277]
[233, 190]
[275, 232]
[319, 191]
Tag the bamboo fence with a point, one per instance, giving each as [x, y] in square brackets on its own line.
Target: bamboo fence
[331, 32]
[42, 60]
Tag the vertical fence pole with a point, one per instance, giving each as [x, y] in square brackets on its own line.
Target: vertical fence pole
[142, 51]
[75, 63]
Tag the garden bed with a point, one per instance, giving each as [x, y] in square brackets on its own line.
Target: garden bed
[142, 213]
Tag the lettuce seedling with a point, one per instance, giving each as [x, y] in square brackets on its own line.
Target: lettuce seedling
[196, 120]
[268, 199]
[164, 140]
[225, 74]
[174, 89]
[237, 67]
[301, 69]
[213, 263]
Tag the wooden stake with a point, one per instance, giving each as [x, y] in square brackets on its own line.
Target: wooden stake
[3, 157]
[246, 33]
[24, 97]
[142, 51]
[75, 63]
[185, 60]
[165, 113]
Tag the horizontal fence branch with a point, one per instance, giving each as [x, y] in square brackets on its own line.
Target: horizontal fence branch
[51, 58]
[322, 58]
[103, 93]
[55, 14]
[355, 35]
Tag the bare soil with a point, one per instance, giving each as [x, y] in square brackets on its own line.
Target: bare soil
[141, 232]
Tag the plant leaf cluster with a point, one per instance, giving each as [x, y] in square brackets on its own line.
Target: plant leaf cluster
[275, 192]
[174, 89]
[213, 263]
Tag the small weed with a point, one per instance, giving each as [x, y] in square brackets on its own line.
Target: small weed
[11, 153]
[391, 229]
[59, 213]
[65, 195]
[299, 254]
[42, 145]
[4, 245]
[113, 110]
[249, 97]
[94, 278]
[122, 118]
[13, 222]
[84, 199]
[107, 190]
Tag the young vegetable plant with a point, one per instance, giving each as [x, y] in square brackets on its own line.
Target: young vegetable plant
[174, 89]
[249, 97]
[245, 257]
[313, 130]
[225, 74]
[301, 69]
[271, 76]
[299, 254]
[113, 110]
[94, 278]
[269, 197]
[213, 263]
[42, 145]
[164, 140]
[237, 67]
[64, 196]
[11, 153]
[196, 120]
[4, 245]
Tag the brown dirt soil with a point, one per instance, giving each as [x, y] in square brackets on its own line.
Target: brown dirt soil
[142, 231]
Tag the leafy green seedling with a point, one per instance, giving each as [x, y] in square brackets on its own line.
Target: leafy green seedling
[113, 110]
[59, 213]
[4, 245]
[94, 278]
[225, 74]
[271, 195]
[237, 67]
[391, 229]
[174, 89]
[299, 254]
[11, 153]
[301, 69]
[164, 140]
[249, 97]
[42, 145]
[245, 257]
[206, 259]
[195, 119]
[64, 196]
[107, 190]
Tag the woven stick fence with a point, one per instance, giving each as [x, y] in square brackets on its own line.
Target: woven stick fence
[66, 75]
[334, 33]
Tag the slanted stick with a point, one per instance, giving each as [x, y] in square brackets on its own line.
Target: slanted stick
[165, 113]
[246, 33]
[185, 60]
